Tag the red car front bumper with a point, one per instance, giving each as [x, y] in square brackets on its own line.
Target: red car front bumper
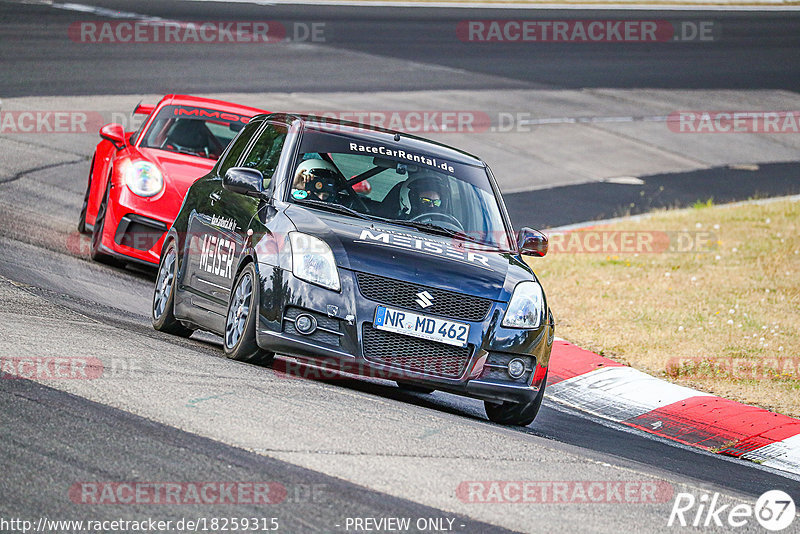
[135, 226]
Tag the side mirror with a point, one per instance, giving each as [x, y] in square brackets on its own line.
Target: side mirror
[244, 180]
[532, 242]
[113, 132]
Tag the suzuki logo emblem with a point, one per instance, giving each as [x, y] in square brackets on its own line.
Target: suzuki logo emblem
[424, 299]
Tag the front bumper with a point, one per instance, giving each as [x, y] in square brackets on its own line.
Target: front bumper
[345, 340]
[135, 227]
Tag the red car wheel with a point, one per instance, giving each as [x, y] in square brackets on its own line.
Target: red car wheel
[82, 216]
[97, 231]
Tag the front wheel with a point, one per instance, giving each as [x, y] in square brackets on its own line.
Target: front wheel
[239, 340]
[97, 232]
[85, 206]
[514, 413]
[164, 295]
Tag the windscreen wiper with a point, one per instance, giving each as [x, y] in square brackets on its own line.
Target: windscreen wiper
[436, 229]
[333, 207]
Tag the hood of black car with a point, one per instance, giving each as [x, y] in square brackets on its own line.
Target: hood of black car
[407, 254]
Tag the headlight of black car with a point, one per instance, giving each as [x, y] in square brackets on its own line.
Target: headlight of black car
[526, 307]
[313, 261]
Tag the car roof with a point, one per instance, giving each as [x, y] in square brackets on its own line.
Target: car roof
[220, 105]
[375, 134]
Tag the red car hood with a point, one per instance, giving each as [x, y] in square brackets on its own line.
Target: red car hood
[180, 170]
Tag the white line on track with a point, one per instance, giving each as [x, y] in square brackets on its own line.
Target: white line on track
[101, 11]
[712, 5]
[633, 5]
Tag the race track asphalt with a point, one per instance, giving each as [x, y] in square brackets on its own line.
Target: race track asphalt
[178, 411]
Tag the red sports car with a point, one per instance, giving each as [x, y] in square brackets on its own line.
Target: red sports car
[137, 180]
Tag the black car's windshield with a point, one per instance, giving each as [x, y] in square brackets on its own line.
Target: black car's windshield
[194, 131]
[409, 188]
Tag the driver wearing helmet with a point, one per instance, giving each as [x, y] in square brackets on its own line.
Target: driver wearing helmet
[188, 135]
[315, 178]
[426, 192]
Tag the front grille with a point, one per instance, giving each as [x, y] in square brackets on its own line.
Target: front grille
[404, 294]
[139, 232]
[414, 354]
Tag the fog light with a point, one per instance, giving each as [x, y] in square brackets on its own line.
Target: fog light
[305, 324]
[516, 368]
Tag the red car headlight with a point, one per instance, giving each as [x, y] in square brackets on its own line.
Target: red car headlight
[143, 178]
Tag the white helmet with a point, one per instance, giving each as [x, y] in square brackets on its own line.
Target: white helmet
[422, 181]
[309, 164]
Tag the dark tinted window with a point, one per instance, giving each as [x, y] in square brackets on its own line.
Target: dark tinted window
[266, 152]
[238, 145]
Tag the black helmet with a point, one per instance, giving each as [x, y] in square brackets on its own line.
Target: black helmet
[410, 201]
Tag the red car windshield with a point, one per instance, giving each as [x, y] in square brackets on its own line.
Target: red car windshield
[194, 131]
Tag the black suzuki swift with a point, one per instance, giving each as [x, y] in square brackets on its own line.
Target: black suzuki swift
[377, 250]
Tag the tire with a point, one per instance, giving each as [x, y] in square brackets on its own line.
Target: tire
[97, 231]
[415, 388]
[239, 338]
[162, 310]
[513, 413]
[85, 207]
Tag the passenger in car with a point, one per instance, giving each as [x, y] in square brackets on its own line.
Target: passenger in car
[316, 178]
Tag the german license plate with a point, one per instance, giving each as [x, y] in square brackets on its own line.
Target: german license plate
[421, 326]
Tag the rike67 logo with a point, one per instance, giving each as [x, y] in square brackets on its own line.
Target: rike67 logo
[774, 510]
